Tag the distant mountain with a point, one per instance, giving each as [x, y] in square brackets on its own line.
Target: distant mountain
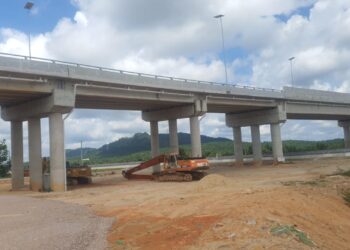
[138, 143]
[75, 153]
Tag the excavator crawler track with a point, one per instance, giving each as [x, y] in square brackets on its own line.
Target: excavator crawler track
[179, 177]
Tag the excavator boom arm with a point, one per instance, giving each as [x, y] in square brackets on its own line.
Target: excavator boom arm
[129, 174]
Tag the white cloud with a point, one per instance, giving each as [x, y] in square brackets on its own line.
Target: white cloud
[181, 38]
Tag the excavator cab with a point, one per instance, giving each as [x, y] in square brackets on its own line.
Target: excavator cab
[170, 162]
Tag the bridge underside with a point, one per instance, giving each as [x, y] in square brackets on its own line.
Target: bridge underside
[8, 98]
[84, 102]
[309, 111]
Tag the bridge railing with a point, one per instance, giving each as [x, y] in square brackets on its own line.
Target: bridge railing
[39, 59]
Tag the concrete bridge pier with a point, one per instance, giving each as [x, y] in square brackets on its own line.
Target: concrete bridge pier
[273, 116]
[155, 143]
[238, 145]
[276, 140]
[256, 144]
[195, 137]
[346, 136]
[173, 138]
[60, 101]
[17, 168]
[346, 129]
[35, 161]
[57, 154]
[193, 110]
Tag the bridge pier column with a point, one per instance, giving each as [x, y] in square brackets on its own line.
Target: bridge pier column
[238, 145]
[346, 136]
[173, 139]
[276, 140]
[256, 144]
[57, 154]
[195, 137]
[346, 129]
[17, 168]
[35, 162]
[155, 143]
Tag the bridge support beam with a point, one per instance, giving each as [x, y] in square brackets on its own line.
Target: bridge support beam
[17, 168]
[276, 140]
[238, 145]
[155, 143]
[57, 154]
[173, 138]
[256, 144]
[35, 162]
[195, 137]
[60, 101]
[346, 129]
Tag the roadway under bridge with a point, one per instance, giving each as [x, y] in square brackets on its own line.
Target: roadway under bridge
[34, 88]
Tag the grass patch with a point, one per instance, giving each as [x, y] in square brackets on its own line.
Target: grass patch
[120, 242]
[346, 197]
[293, 231]
[345, 173]
[315, 183]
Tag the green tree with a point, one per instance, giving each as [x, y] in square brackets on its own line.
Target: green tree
[4, 166]
[183, 153]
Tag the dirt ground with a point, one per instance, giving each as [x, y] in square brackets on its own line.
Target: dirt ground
[232, 208]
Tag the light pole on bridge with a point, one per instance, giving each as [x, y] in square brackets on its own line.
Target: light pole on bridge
[28, 6]
[220, 16]
[291, 70]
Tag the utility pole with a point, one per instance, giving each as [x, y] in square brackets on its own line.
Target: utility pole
[81, 153]
[220, 16]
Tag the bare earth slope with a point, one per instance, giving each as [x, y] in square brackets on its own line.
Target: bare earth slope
[233, 208]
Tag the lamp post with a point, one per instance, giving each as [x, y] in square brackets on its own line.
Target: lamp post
[28, 6]
[291, 69]
[220, 16]
[81, 153]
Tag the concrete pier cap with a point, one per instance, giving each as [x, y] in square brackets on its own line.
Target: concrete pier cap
[60, 101]
[198, 108]
[257, 117]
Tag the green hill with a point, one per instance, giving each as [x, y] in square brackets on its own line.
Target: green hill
[137, 148]
[138, 143]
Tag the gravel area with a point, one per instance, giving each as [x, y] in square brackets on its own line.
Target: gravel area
[31, 223]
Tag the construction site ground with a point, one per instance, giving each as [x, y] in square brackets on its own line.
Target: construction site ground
[246, 207]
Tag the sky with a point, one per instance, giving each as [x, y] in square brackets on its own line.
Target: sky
[181, 38]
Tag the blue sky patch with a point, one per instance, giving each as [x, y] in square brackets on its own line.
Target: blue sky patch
[44, 17]
[302, 11]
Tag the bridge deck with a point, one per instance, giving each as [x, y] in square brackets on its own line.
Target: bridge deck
[23, 79]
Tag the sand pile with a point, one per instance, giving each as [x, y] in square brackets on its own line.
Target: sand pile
[212, 181]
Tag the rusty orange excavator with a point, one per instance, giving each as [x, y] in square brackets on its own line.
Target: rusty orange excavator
[174, 168]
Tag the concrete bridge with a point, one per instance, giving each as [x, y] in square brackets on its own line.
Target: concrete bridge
[33, 88]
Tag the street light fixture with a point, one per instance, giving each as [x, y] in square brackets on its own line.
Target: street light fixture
[220, 16]
[28, 6]
[291, 69]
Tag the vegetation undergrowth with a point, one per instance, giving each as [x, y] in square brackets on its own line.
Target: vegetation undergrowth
[346, 197]
[293, 231]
